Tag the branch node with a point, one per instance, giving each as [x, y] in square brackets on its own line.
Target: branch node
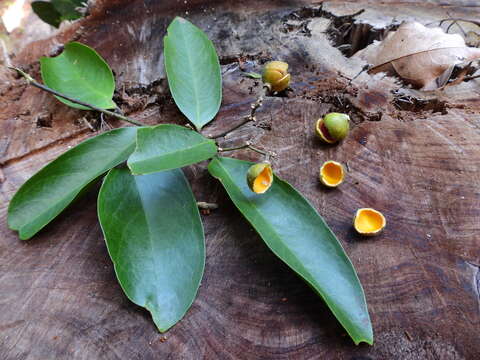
[253, 109]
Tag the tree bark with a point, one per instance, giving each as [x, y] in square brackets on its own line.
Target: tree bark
[412, 156]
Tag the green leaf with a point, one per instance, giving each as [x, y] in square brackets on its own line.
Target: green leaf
[299, 236]
[54, 187]
[165, 147]
[47, 13]
[68, 8]
[193, 72]
[80, 73]
[252, 75]
[155, 239]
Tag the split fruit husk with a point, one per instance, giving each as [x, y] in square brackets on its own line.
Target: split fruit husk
[369, 222]
[332, 173]
[276, 76]
[260, 177]
[333, 127]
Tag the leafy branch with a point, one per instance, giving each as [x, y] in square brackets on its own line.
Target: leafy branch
[147, 211]
[31, 81]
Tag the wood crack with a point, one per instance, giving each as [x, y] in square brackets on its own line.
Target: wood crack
[44, 148]
[475, 280]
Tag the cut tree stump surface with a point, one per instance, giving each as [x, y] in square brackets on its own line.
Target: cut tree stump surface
[417, 161]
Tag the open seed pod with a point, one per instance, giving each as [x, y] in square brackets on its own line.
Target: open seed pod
[332, 173]
[260, 177]
[276, 76]
[369, 222]
[333, 127]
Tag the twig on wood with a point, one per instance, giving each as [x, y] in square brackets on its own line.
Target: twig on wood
[89, 125]
[364, 68]
[253, 109]
[32, 82]
[248, 145]
[409, 337]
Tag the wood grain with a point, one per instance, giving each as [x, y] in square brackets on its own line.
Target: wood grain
[58, 295]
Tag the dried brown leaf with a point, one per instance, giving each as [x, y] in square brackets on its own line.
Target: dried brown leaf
[422, 56]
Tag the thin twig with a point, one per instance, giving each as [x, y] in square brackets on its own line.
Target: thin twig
[247, 145]
[31, 81]
[364, 68]
[240, 147]
[253, 109]
[268, 154]
[86, 122]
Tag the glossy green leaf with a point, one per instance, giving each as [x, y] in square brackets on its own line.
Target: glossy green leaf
[47, 13]
[54, 187]
[68, 8]
[299, 236]
[155, 239]
[193, 72]
[80, 73]
[165, 147]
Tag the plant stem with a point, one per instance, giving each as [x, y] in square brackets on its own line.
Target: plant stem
[253, 109]
[247, 145]
[32, 81]
[244, 146]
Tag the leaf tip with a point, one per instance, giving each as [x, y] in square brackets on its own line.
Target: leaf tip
[368, 341]
[180, 19]
[161, 325]
[24, 235]
[365, 336]
[177, 19]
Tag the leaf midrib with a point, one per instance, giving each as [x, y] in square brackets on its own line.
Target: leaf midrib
[152, 158]
[194, 78]
[418, 53]
[153, 258]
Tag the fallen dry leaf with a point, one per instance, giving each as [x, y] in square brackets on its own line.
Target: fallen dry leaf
[422, 56]
[472, 39]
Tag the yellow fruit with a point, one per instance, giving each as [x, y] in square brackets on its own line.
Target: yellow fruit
[260, 177]
[369, 222]
[276, 76]
[332, 174]
[333, 127]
